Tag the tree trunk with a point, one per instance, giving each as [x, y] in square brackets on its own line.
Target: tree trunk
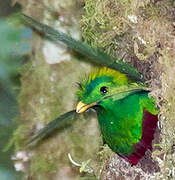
[139, 32]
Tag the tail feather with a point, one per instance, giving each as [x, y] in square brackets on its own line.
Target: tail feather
[95, 54]
[62, 121]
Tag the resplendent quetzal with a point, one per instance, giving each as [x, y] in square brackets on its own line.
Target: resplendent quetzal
[127, 116]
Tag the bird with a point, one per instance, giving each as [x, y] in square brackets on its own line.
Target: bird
[127, 116]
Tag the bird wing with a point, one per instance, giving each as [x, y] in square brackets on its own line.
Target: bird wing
[149, 125]
[95, 54]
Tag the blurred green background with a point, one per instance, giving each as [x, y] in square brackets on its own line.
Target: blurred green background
[14, 46]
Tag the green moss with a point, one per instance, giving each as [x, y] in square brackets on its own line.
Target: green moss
[106, 24]
[49, 90]
[41, 165]
[18, 138]
[99, 23]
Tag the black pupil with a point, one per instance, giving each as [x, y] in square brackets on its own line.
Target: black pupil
[103, 89]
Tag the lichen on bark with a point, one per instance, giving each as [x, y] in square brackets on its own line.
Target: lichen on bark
[142, 34]
[48, 90]
[139, 32]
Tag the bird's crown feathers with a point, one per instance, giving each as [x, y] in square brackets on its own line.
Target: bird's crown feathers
[105, 71]
[117, 76]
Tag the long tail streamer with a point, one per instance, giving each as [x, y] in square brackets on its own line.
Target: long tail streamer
[61, 122]
[95, 54]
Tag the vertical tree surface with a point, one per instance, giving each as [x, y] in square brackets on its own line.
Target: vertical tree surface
[139, 32]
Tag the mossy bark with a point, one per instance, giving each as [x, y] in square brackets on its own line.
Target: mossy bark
[142, 34]
[139, 32]
[49, 82]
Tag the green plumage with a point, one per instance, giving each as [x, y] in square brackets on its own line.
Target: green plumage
[121, 108]
[126, 115]
[95, 54]
[121, 121]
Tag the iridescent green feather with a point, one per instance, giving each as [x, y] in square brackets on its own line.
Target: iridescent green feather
[95, 54]
[120, 110]
[121, 107]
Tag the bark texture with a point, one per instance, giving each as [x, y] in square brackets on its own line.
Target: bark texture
[139, 32]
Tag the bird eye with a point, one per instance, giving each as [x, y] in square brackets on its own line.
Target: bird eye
[103, 90]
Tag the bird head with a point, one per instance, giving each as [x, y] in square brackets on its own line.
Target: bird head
[103, 86]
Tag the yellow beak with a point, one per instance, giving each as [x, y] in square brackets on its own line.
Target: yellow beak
[81, 107]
